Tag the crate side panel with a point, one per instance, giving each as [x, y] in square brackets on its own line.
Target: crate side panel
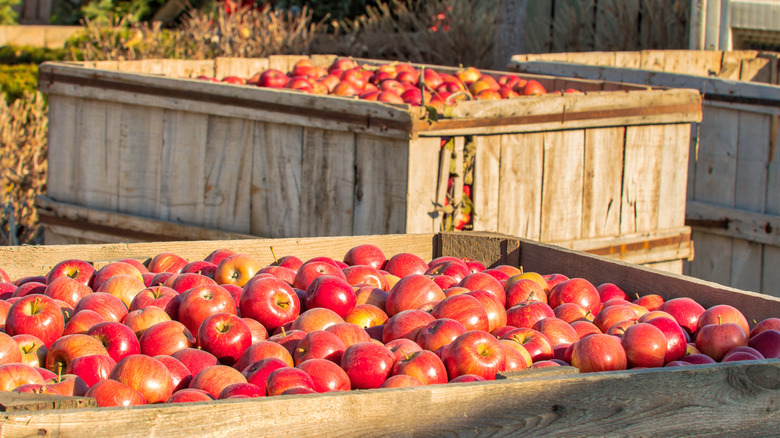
[276, 180]
[603, 179]
[184, 147]
[64, 120]
[327, 182]
[228, 174]
[487, 173]
[140, 160]
[520, 185]
[562, 186]
[642, 178]
[674, 175]
[381, 174]
[423, 180]
[97, 180]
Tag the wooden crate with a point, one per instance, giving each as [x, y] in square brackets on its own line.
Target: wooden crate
[140, 138]
[733, 199]
[729, 399]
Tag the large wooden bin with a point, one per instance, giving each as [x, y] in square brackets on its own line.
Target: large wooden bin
[727, 399]
[733, 200]
[141, 138]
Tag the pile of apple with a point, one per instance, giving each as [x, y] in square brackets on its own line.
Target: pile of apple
[392, 83]
[173, 330]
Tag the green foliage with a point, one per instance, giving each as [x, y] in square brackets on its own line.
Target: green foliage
[103, 11]
[7, 14]
[13, 55]
[15, 80]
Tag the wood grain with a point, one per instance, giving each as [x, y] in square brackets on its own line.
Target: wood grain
[562, 186]
[487, 162]
[140, 160]
[520, 185]
[422, 180]
[603, 181]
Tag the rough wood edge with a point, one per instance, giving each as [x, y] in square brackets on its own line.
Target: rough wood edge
[733, 222]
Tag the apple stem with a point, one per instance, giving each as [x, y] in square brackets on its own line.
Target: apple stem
[406, 355]
[283, 334]
[274, 254]
[719, 321]
[637, 295]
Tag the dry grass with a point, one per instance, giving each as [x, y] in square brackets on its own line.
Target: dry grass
[247, 33]
[23, 128]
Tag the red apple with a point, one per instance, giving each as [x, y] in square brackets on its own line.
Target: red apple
[189, 395]
[366, 315]
[32, 350]
[650, 302]
[766, 324]
[112, 393]
[404, 264]
[423, 365]
[36, 315]
[721, 314]
[201, 267]
[199, 303]
[608, 291]
[474, 352]
[685, 311]
[319, 344]
[160, 296]
[180, 374]
[411, 292]
[598, 353]
[289, 340]
[110, 307]
[112, 269]
[367, 364]
[406, 324]
[10, 351]
[216, 378]
[263, 350]
[119, 340]
[465, 309]
[366, 254]
[30, 288]
[576, 290]
[241, 389]
[326, 375]
[67, 289]
[332, 293]
[486, 282]
[284, 379]
[371, 295]
[313, 269]
[186, 281]
[349, 333]
[715, 340]
[556, 330]
[644, 345]
[272, 78]
[167, 262]
[524, 290]
[402, 347]
[318, 318]
[82, 321]
[534, 341]
[271, 302]
[91, 368]
[140, 320]
[439, 333]
[65, 349]
[527, 313]
[767, 342]
[196, 360]
[675, 337]
[236, 269]
[166, 337]
[612, 315]
[224, 335]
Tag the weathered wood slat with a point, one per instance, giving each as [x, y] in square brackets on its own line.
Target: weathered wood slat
[733, 222]
[563, 174]
[520, 189]
[422, 180]
[603, 181]
[487, 163]
[27, 403]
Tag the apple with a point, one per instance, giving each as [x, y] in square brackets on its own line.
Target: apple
[271, 302]
[332, 293]
[218, 255]
[366, 254]
[749, 350]
[644, 345]
[366, 315]
[517, 357]
[199, 303]
[189, 395]
[10, 351]
[263, 350]
[584, 328]
[465, 309]
[313, 269]
[608, 291]
[326, 376]
[556, 330]
[285, 274]
[110, 307]
[67, 289]
[575, 290]
[63, 350]
[675, 337]
[535, 342]
[124, 287]
[201, 267]
[214, 379]
[366, 276]
[140, 320]
[112, 269]
[319, 344]
[236, 269]
[715, 340]
[224, 335]
[486, 282]
[119, 340]
[533, 88]
[166, 337]
[439, 333]
[243, 389]
[36, 315]
[36, 388]
[406, 324]
[92, 368]
[257, 373]
[82, 321]
[32, 350]
[163, 278]
[411, 292]
[300, 83]
[455, 269]
[180, 374]
[650, 302]
[404, 264]
[598, 353]
[371, 295]
[349, 333]
[767, 342]
[186, 281]
[289, 340]
[146, 375]
[284, 379]
[612, 315]
[195, 359]
[112, 393]
[318, 318]
[721, 314]
[367, 364]
[167, 262]
[571, 312]
[158, 296]
[423, 365]
[474, 352]
[30, 288]
[766, 324]
[685, 311]
[13, 375]
[524, 289]
[527, 313]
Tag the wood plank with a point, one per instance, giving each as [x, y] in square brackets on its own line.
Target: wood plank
[486, 182]
[627, 59]
[755, 70]
[327, 183]
[673, 266]
[97, 155]
[65, 120]
[674, 175]
[653, 60]
[604, 403]
[276, 180]
[733, 222]
[422, 183]
[562, 186]
[26, 402]
[445, 156]
[771, 277]
[241, 67]
[382, 167]
[38, 260]
[228, 174]
[520, 185]
[184, 147]
[602, 183]
[140, 160]
[641, 178]
[712, 261]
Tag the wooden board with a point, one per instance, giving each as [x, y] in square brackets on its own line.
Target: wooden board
[519, 197]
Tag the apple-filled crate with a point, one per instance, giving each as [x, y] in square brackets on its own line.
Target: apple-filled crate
[733, 200]
[137, 146]
[370, 335]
